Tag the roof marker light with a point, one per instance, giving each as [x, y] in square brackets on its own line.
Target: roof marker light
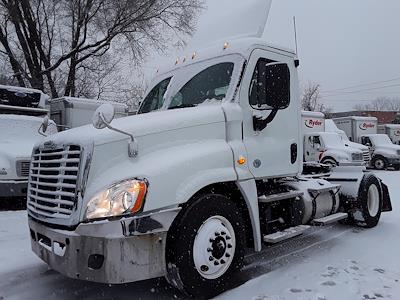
[177, 61]
[194, 55]
[226, 45]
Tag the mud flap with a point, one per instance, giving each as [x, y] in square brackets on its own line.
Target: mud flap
[387, 203]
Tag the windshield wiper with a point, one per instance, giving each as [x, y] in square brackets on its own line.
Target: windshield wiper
[182, 106]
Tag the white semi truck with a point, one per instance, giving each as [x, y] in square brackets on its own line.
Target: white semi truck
[21, 115]
[326, 147]
[364, 130]
[392, 131]
[183, 191]
[70, 112]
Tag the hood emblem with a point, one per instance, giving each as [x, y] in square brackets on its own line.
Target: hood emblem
[3, 171]
[49, 145]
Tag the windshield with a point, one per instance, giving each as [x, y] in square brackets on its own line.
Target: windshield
[155, 99]
[332, 140]
[381, 139]
[210, 85]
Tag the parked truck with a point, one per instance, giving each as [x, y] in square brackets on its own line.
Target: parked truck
[184, 190]
[330, 126]
[21, 115]
[69, 112]
[392, 131]
[326, 147]
[364, 130]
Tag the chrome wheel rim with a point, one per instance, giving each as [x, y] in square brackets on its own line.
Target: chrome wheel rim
[373, 200]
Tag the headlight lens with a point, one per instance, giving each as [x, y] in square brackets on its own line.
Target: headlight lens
[122, 198]
[356, 156]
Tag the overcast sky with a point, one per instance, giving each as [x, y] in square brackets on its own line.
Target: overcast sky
[341, 43]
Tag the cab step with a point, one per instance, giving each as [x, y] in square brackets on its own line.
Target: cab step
[286, 234]
[329, 219]
[279, 197]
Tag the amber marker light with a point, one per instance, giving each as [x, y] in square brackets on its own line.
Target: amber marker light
[241, 160]
[139, 188]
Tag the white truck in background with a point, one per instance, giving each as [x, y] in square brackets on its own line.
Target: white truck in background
[21, 116]
[183, 190]
[364, 130]
[69, 112]
[392, 131]
[330, 126]
[326, 147]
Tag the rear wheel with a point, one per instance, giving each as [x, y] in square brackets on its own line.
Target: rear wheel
[205, 246]
[379, 163]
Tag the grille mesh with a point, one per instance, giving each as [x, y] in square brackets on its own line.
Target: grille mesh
[53, 180]
[23, 168]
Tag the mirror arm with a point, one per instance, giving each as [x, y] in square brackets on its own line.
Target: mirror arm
[260, 124]
[133, 150]
[41, 133]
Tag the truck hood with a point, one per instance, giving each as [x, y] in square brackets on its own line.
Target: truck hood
[142, 125]
[13, 149]
[356, 145]
[388, 147]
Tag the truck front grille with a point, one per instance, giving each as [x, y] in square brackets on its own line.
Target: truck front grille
[53, 181]
[366, 156]
[23, 168]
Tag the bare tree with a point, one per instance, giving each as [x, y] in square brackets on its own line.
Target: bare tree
[381, 104]
[50, 44]
[311, 99]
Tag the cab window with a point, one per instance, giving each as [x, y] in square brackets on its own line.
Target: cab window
[155, 99]
[212, 84]
[366, 141]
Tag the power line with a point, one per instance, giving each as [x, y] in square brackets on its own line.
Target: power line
[361, 85]
[363, 90]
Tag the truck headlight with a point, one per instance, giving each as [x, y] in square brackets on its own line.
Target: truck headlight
[123, 198]
[356, 156]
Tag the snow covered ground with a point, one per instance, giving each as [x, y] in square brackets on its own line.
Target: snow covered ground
[334, 262]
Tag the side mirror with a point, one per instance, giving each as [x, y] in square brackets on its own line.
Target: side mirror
[271, 86]
[103, 116]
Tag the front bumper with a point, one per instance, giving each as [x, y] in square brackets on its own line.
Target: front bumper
[112, 252]
[13, 188]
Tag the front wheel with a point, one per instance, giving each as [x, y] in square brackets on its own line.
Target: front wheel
[205, 246]
[370, 202]
[379, 163]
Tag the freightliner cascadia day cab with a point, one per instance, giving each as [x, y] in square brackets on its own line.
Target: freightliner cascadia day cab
[21, 115]
[364, 130]
[392, 131]
[212, 166]
[69, 112]
[326, 147]
[330, 126]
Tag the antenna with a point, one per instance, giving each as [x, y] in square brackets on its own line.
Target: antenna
[295, 34]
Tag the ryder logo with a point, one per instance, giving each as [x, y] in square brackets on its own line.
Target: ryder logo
[313, 123]
[365, 126]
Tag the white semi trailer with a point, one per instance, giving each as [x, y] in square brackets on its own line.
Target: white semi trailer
[70, 112]
[364, 130]
[326, 147]
[183, 191]
[392, 131]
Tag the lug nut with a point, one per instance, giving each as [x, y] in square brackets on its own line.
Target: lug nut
[216, 263]
[204, 268]
[222, 261]
[209, 250]
[217, 233]
[211, 258]
[212, 240]
[223, 232]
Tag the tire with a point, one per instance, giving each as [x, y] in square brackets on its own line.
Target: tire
[379, 163]
[205, 246]
[370, 202]
[330, 162]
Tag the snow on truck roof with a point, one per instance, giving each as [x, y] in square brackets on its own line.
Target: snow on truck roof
[241, 46]
[83, 100]
[22, 89]
[356, 118]
[312, 114]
